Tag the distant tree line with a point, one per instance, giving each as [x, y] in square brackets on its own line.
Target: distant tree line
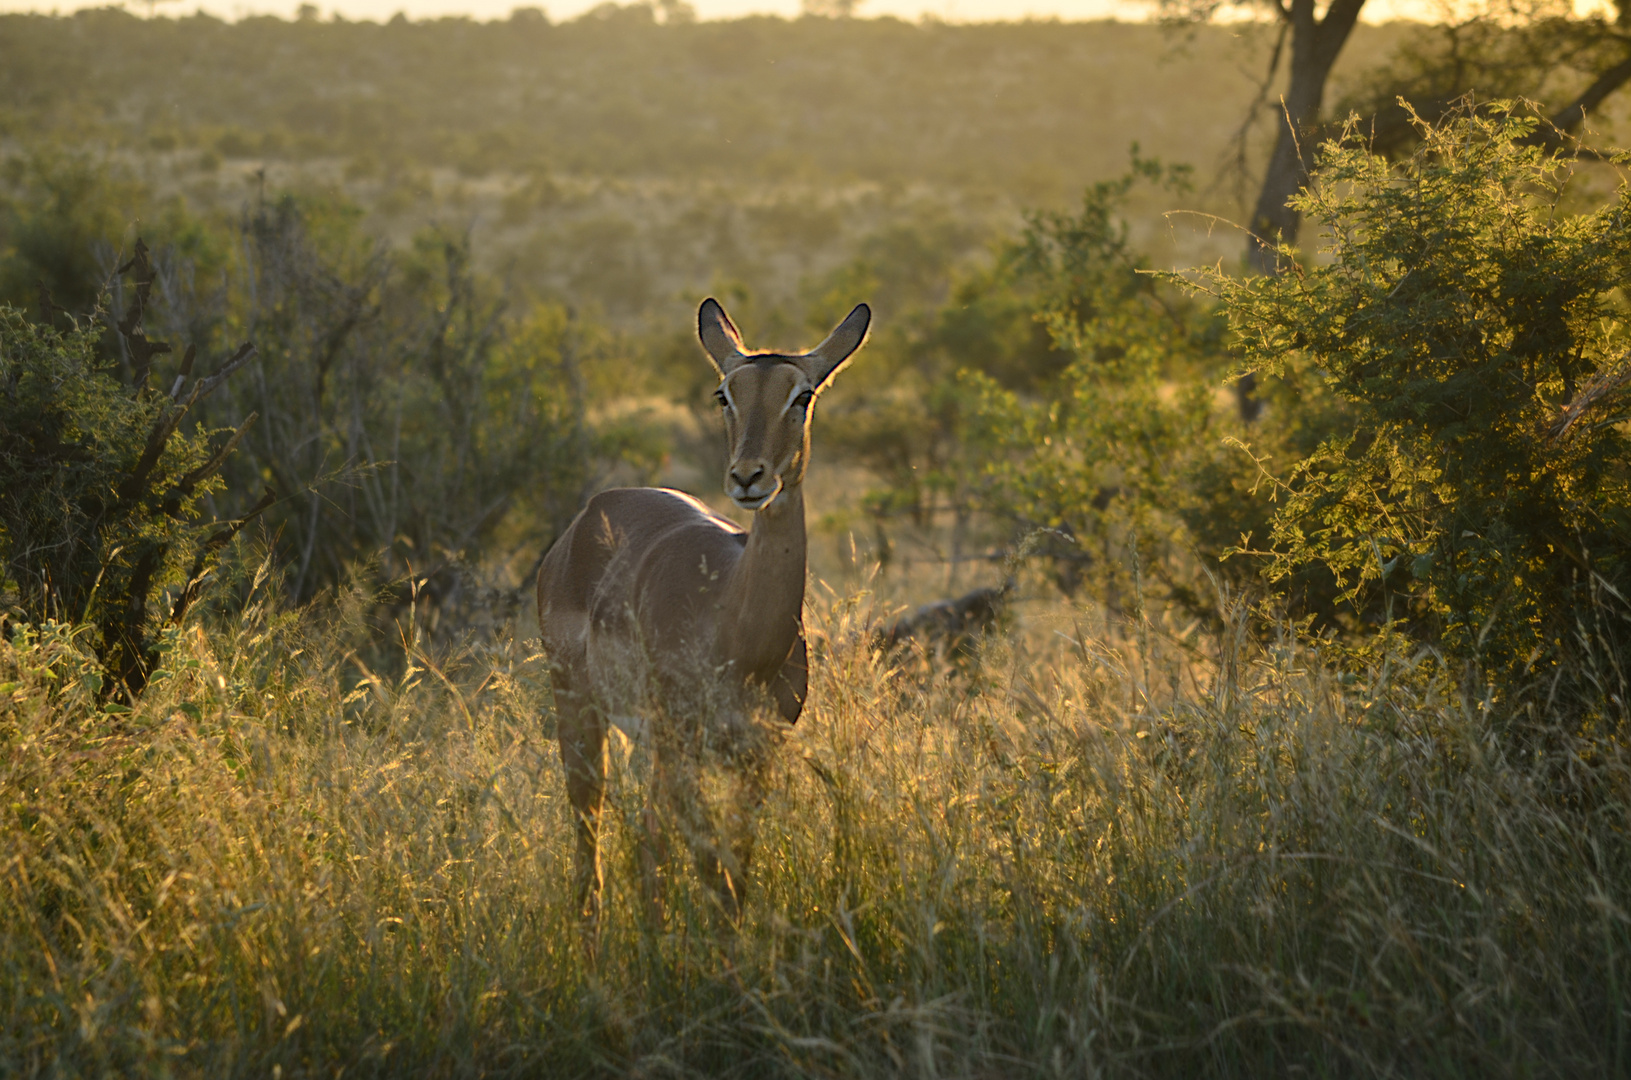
[629, 91]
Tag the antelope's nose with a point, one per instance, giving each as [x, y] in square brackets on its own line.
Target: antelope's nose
[746, 482]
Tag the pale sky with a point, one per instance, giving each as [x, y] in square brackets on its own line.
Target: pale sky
[560, 10]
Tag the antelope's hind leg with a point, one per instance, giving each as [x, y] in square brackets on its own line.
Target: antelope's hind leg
[582, 734]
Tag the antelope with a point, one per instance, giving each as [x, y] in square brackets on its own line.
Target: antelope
[677, 626]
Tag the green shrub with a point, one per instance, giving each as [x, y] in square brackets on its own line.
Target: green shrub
[424, 422]
[416, 417]
[101, 491]
[1107, 453]
[1067, 396]
[1475, 332]
[65, 207]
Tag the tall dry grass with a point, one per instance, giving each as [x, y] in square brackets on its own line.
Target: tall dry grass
[1102, 851]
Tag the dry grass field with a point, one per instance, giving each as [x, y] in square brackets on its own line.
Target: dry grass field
[1102, 849]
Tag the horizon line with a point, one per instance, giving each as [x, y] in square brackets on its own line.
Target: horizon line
[485, 12]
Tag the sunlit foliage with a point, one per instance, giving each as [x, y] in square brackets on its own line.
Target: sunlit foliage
[1476, 496]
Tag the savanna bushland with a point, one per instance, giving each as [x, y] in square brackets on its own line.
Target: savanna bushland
[1287, 737]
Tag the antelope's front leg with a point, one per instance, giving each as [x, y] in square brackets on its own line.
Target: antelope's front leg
[679, 802]
[741, 819]
[654, 857]
[745, 754]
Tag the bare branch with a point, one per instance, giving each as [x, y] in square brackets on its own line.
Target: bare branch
[130, 327]
[169, 419]
[219, 540]
[1235, 163]
[186, 370]
[172, 501]
[157, 440]
[245, 353]
[1601, 387]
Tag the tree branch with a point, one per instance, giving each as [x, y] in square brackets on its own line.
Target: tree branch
[195, 579]
[186, 370]
[141, 350]
[245, 353]
[1572, 115]
[169, 419]
[1601, 387]
[157, 440]
[172, 501]
[1394, 128]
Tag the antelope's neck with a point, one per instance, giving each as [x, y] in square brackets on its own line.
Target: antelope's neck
[764, 603]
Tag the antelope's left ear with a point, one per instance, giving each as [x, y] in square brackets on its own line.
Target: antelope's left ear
[823, 362]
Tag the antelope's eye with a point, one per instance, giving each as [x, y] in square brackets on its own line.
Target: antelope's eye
[804, 399]
[719, 396]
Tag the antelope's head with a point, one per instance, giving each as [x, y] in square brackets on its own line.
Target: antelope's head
[767, 399]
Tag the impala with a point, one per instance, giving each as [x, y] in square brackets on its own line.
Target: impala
[674, 624]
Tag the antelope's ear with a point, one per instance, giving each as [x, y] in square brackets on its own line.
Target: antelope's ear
[720, 337]
[822, 362]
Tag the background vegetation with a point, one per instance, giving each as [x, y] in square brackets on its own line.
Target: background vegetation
[625, 164]
[1299, 745]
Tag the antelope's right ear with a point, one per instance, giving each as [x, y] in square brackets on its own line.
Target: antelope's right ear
[720, 337]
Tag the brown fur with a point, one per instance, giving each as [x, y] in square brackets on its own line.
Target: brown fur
[652, 606]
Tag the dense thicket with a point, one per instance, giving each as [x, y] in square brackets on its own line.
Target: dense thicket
[412, 425]
[103, 494]
[1442, 461]
[1474, 495]
[411, 412]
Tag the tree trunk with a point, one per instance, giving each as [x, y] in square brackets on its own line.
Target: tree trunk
[1315, 45]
